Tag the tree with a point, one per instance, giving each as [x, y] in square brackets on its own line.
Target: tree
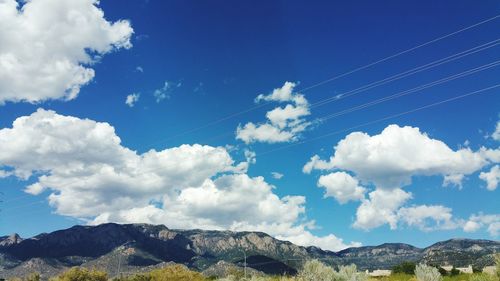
[406, 267]
[454, 272]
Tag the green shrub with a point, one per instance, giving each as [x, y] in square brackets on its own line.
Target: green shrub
[350, 273]
[314, 270]
[81, 274]
[427, 273]
[406, 267]
[482, 277]
[33, 277]
[497, 260]
[175, 273]
[454, 272]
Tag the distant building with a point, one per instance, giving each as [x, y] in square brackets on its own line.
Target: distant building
[490, 269]
[467, 270]
[379, 273]
[447, 267]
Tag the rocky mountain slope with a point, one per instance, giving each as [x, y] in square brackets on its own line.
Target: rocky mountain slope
[137, 247]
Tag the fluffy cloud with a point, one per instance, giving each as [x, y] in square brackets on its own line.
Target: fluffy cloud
[384, 206]
[491, 178]
[48, 47]
[496, 133]
[132, 99]
[330, 241]
[490, 221]
[428, 218]
[381, 208]
[342, 186]
[388, 161]
[91, 176]
[284, 124]
[229, 202]
[391, 158]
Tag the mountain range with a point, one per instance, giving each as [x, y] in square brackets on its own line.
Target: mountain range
[125, 248]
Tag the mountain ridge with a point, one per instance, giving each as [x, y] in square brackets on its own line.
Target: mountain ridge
[141, 246]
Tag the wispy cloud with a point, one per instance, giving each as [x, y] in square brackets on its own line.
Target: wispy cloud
[132, 99]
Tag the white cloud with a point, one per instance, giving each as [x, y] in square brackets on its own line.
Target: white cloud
[381, 208]
[391, 158]
[284, 124]
[494, 229]
[264, 132]
[496, 134]
[428, 218]
[491, 178]
[455, 179]
[165, 91]
[277, 175]
[471, 226]
[283, 94]
[132, 99]
[250, 156]
[140, 69]
[342, 186]
[234, 202]
[490, 221]
[388, 161]
[91, 176]
[48, 47]
[328, 242]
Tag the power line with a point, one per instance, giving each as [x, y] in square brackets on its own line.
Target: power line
[408, 73]
[397, 77]
[217, 121]
[399, 54]
[380, 120]
[413, 90]
[374, 84]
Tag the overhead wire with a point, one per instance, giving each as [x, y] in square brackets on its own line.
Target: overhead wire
[413, 90]
[217, 121]
[379, 120]
[407, 73]
[398, 76]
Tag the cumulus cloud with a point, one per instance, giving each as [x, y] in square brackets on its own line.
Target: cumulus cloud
[496, 133]
[428, 218]
[381, 208]
[342, 186]
[49, 46]
[491, 178]
[391, 158]
[330, 241]
[489, 221]
[132, 99]
[91, 176]
[388, 161]
[284, 124]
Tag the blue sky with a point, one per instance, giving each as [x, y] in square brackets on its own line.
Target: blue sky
[216, 58]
